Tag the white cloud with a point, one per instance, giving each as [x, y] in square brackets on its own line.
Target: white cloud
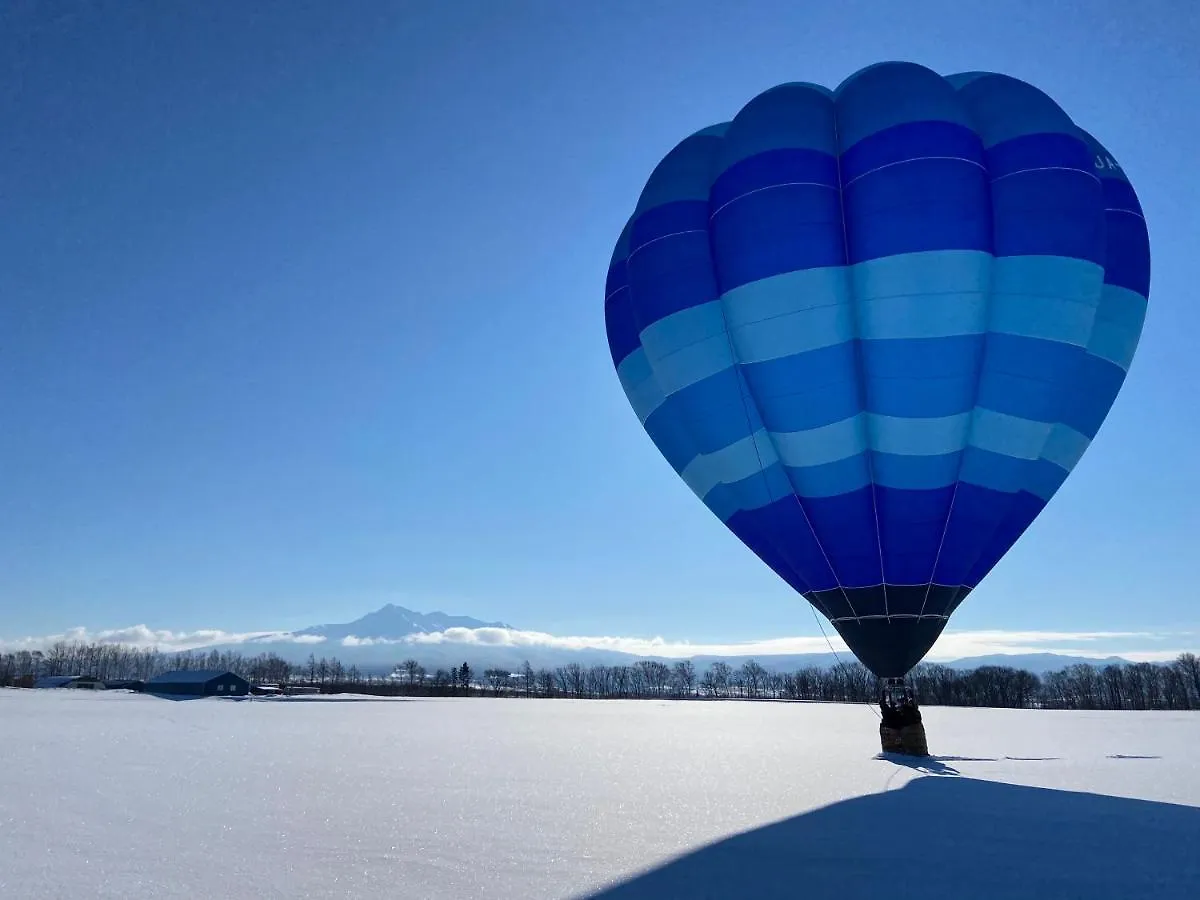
[143, 636]
[952, 644]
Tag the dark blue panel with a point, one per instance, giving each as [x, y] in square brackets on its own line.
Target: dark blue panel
[1025, 375]
[618, 276]
[820, 388]
[911, 524]
[1098, 382]
[1048, 381]
[997, 471]
[940, 357]
[622, 328]
[976, 514]
[922, 377]
[1039, 151]
[837, 477]
[912, 140]
[1018, 395]
[933, 204]
[1025, 509]
[749, 531]
[1043, 478]
[1052, 212]
[671, 436]
[1119, 195]
[784, 229]
[670, 218]
[671, 274]
[774, 167]
[1127, 257]
[715, 409]
[800, 550]
[1049, 361]
[846, 527]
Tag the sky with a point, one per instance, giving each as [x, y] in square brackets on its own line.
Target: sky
[301, 312]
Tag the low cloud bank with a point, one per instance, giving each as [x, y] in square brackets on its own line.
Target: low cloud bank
[143, 637]
[952, 645]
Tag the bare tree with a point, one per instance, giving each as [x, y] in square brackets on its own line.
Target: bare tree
[683, 678]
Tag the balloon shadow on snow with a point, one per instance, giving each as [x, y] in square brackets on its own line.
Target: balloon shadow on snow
[946, 839]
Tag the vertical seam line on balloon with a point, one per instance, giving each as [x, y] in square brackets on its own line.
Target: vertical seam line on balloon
[742, 393]
[987, 316]
[743, 390]
[859, 364]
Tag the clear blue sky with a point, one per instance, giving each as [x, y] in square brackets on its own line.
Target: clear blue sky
[301, 309]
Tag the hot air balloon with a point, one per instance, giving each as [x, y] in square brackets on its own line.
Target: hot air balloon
[874, 329]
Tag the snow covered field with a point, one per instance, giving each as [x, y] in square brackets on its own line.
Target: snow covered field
[123, 795]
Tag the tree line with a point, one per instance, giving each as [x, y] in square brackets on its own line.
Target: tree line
[1173, 686]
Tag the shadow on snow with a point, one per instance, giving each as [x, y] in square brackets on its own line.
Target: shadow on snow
[947, 839]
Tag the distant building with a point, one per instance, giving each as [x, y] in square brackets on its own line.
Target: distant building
[79, 682]
[199, 683]
[126, 684]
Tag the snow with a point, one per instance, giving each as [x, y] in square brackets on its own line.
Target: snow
[119, 795]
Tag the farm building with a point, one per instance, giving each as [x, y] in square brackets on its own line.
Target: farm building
[199, 683]
[126, 684]
[79, 682]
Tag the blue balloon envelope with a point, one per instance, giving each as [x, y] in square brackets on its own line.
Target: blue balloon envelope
[875, 328]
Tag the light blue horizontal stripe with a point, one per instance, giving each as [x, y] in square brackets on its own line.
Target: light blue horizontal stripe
[923, 316]
[1065, 447]
[818, 446]
[1048, 276]
[1045, 318]
[926, 272]
[734, 463]
[691, 345]
[681, 330]
[799, 312]
[779, 295]
[1008, 435]
[974, 465]
[907, 453]
[918, 437]
[693, 364]
[1018, 438]
[1052, 298]
[794, 333]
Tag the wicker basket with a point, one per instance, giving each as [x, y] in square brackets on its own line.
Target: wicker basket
[909, 740]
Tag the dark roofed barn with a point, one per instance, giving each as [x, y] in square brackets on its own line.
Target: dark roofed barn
[199, 683]
[85, 682]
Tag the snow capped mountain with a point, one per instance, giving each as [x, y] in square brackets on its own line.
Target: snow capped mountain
[392, 622]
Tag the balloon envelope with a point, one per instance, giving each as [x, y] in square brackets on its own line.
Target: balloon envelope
[875, 328]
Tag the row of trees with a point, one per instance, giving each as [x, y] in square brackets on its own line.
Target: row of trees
[1131, 686]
